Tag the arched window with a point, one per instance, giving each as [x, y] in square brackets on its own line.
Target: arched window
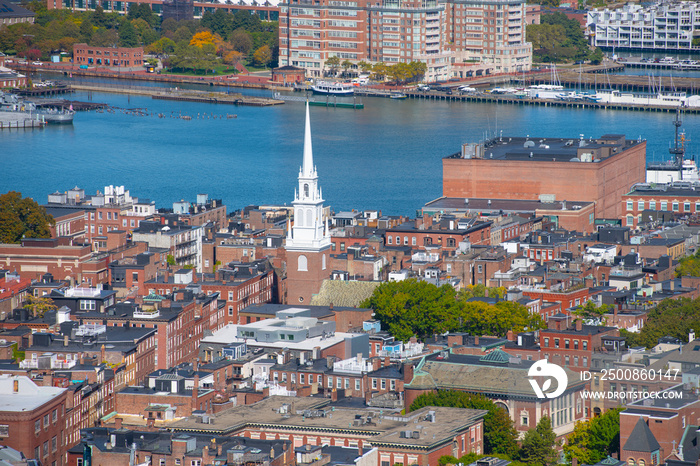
[306, 190]
[323, 262]
[302, 264]
[309, 217]
[300, 217]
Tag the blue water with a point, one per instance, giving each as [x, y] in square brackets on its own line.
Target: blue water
[386, 157]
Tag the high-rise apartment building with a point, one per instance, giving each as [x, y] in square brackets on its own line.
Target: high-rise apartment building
[663, 26]
[454, 38]
[487, 32]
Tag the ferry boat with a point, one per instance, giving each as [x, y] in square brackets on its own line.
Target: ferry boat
[333, 88]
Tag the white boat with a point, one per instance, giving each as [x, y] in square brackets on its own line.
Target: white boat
[398, 95]
[677, 169]
[666, 99]
[333, 88]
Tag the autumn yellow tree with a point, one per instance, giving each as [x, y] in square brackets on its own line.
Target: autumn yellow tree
[206, 37]
[233, 57]
[263, 55]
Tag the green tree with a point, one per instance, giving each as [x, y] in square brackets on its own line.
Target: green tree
[346, 64]
[500, 436]
[591, 313]
[671, 317]
[538, 447]
[596, 56]
[333, 63]
[689, 266]
[170, 259]
[128, 37]
[39, 306]
[86, 31]
[22, 218]
[594, 440]
[241, 41]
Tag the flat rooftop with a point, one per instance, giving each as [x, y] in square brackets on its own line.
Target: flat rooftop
[546, 149]
[308, 413]
[460, 204]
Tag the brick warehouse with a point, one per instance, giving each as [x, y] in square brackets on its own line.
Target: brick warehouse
[598, 170]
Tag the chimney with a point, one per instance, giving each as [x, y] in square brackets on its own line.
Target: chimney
[476, 340]
[103, 353]
[579, 325]
[118, 422]
[359, 449]
[407, 373]
[334, 395]
[66, 339]
[195, 391]
[330, 307]
[387, 361]
[510, 335]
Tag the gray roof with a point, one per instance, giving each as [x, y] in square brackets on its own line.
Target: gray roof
[641, 439]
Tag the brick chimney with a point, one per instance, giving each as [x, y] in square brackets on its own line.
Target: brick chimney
[407, 372]
[387, 361]
[579, 325]
[334, 395]
[118, 422]
[103, 353]
[510, 335]
[476, 340]
[66, 340]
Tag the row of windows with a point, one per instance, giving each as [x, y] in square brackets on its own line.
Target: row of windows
[567, 343]
[663, 205]
[427, 241]
[340, 382]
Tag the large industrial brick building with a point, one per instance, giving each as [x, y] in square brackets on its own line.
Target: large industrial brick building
[599, 170]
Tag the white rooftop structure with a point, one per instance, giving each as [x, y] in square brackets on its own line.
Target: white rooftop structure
[19, 393]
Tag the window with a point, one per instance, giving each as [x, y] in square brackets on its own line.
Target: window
[575, 360]
[54, 416]
[675, 206]
[46, 448]
[546, 342]
[330, 382]
[88, 304]
[585, 361]
[37, 426]
[405, 240]
[374, 384]
[575, 344]
[686, 207]
[388, 240]
[177, 462]
[338, 382]
[301, 379]
[393, 385]
[54, 443]
[357, 385]
[566, 343]
[664, 205]
[629, 220]
[630, 205]
[46, 420]
[347, 384]
[413, 241]
[640, 205]
[556, 342]
[302, 263]
[162, 462]
[196, 463]
[652, 205]
[311, 378]
[383, 384]
[585, 344]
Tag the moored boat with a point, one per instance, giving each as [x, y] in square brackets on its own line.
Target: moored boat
[333, 88]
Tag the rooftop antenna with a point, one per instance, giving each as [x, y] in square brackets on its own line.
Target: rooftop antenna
[677, 150]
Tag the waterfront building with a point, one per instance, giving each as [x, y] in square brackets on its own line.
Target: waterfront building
[662, 26]
[491, 34]
[84, 54]
[183, 242]
[599, 170]
[308, 240]
[267, 10]
[454, 38]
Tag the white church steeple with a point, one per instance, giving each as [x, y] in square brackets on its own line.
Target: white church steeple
[309, 232]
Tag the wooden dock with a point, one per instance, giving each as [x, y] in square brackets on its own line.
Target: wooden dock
[624, 83]
[184, 95]
[43, 91]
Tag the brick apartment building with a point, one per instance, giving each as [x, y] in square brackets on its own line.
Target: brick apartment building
[422, 233]
[573, 346]
[644, 199]
[178, 323]
[32, 419]
[444, 431]
[454, 39]
[529, 168]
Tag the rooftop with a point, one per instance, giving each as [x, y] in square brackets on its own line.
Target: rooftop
[28, 396]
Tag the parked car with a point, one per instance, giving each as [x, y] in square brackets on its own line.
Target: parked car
[37, 63]
[22, 62]
[9, 60]
[423, 87]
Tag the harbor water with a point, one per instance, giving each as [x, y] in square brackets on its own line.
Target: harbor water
[386, 156]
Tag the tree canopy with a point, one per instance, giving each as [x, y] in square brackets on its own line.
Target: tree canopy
[671, 317]
[594, 440]
[557, 38]
[500, 436]
[22, 218]
[538, 447]
[412, 307]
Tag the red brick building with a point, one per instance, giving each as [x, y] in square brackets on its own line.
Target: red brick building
[84, 54]
[522, 168]
[573, 346]
[32, 419]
